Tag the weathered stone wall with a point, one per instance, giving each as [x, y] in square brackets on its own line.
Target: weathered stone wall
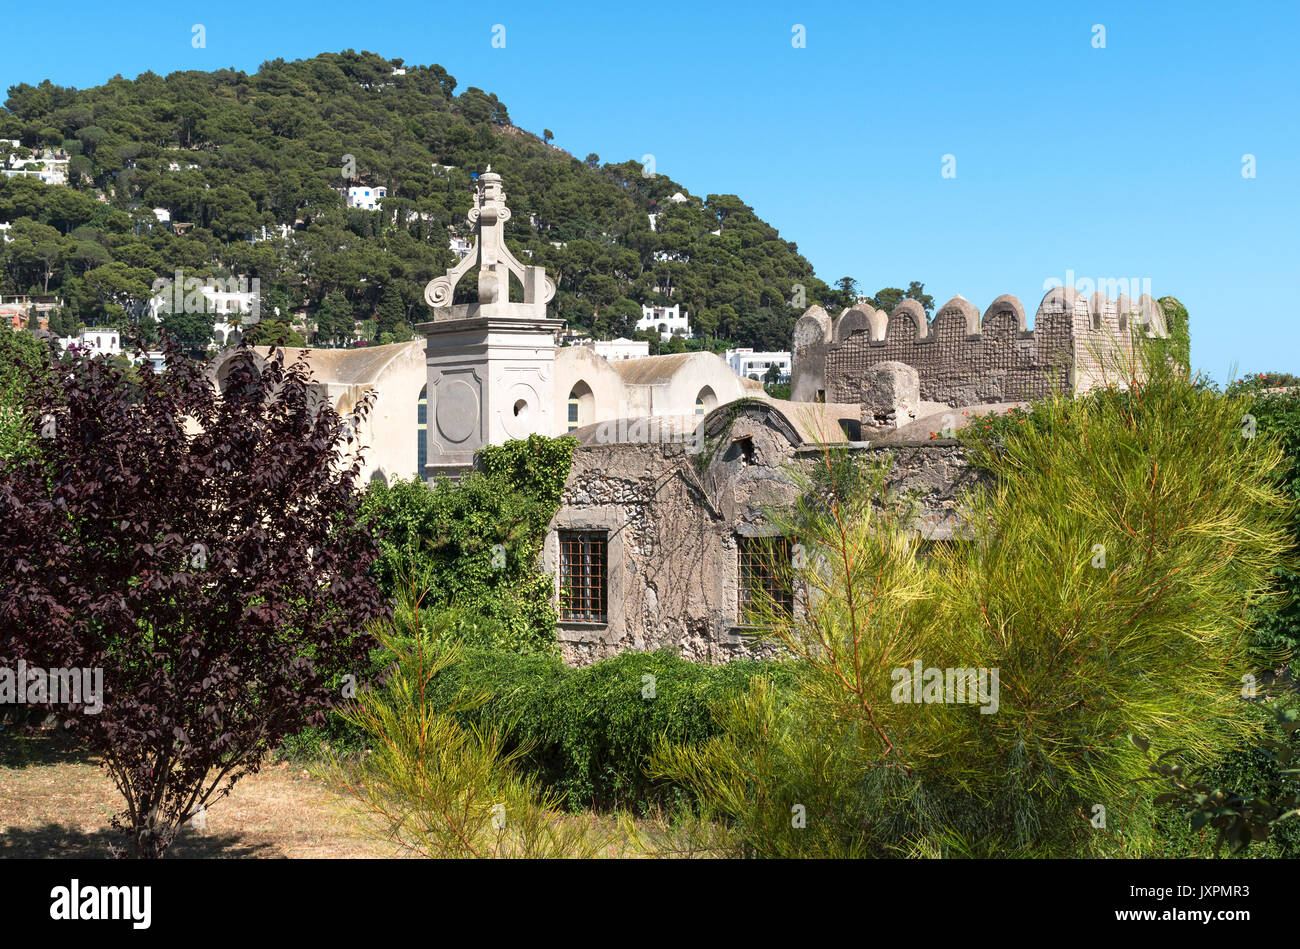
[936, 473]
[666, 541]
[962, 359]
[999, 361]
[672, 532]
[812, 334]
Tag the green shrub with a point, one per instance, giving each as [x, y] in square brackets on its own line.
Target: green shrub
[1276, 626]
[1248, 803]
[21, 355]
[589, 731]
[475, 543]
[432, 785]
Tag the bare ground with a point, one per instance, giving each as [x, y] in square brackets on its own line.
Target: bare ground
[57, 802]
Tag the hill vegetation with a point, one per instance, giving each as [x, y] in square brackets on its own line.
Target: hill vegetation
[227, 154]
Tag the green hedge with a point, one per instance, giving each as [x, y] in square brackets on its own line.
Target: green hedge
[591, 729]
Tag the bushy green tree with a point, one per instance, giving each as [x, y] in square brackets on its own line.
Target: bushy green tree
[392, 311]
[334, 321]
[20, 355]
[1276, 415]
[273, 333]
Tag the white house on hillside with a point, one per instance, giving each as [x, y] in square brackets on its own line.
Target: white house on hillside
[96, 340]
[365, 197]
[215, 300]
[617, 349]
[668, 321]
[51, 168]
[751, 365]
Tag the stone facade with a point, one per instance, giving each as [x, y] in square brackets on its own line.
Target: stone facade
[812, 337]
[673, 525]
[890, 394]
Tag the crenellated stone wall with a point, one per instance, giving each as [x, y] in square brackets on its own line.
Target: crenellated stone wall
[963, 359]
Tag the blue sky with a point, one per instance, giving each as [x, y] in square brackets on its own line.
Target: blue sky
[1116, 162]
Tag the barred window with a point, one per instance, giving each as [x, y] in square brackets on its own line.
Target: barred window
[582, 576]
[766, 576]
[927, 549]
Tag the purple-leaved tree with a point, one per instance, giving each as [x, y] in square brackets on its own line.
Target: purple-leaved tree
[200, 547]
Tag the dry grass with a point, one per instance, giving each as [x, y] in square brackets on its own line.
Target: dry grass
[56, 802]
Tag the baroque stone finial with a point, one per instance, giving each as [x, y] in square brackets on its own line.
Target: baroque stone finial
[495, 263]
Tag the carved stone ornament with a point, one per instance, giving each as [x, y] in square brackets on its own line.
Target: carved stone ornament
[495, 263]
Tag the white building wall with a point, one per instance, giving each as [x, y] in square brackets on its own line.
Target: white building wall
[365, 197]
[616, 349]
[668, 321]
[95, 340]
[747, 363]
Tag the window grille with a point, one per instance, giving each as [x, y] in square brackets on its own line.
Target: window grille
[765, 575]
[582, 576]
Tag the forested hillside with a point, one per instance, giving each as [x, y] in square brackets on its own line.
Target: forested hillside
[269, 149]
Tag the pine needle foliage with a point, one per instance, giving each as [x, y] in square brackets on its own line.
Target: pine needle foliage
[1106, 574]
[432, 785]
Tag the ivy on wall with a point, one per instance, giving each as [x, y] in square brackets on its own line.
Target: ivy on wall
[475, 543]
[1178, 343]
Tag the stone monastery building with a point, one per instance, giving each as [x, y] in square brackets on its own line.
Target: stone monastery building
[658, 544]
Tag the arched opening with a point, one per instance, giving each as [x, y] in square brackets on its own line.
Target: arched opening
[467, 288]
[242, 368]
[523, 413]
[422, 432]
[582, 407]
[706, 401]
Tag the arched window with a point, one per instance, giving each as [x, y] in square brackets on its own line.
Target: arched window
[582, 406]
[705, 402]
[421, 432]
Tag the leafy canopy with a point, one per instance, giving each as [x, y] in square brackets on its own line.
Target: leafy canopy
[202, 550]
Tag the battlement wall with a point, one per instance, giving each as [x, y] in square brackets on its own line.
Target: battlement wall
[965, 359]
